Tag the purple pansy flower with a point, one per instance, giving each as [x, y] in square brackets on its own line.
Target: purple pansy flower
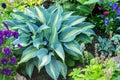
[115, 6]
[6, 51]
[15, 34]
[7, 33]
[106, 21]
[4, 61]
[4, 5]
[6, 72]
[13, 60]
[118, 11]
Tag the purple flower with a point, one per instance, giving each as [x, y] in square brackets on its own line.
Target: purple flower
[6, 26]
[19, 45]
[106, 21]
[13, 60]
[1, 34]
[4, 61]
[15, 34]
[4, 5]
[6, 72]
[7, 33]
[110, 3]
[118, 11]
[1, 41]
[115, 6]
[6, 51]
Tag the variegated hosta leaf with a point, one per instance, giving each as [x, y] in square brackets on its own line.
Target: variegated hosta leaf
[73, 46]
[43, 15]
[52, 9]
[74, 20]
[53, 69]
[63, 69]
[70, 33]
[42, 27]
[29, 68]
[45, 60]
[66, 15]
[55, 25]
[36, 43]
[59, 51]
[33, 28]
[28, 54]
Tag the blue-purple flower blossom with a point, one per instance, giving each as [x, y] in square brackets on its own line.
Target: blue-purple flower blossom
[1, 34]
[13, 60]
[106, 21]
[6, 72]
[4, 61]
[15, 34]
[114, 6]
[19, 46]
[7, 33]
[7, 51]
[4, 5]
[118, 11]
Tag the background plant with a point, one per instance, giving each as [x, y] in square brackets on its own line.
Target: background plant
[47, 35]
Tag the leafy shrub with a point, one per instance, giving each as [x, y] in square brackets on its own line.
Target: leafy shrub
[48, 35]
[105, 46]
[8, 59]
[96, 70]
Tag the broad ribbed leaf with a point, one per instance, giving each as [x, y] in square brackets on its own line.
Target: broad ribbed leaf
[43, 15]
[63, 69]
[36, 43]
[59, 51]
[29, 68]
[70, 33]
[73, 46]
[42, 27]
[66, 15]
[74, 20]
[28, 54]
[52, 9]
[53, 69]
[55, 25]
[45, 60]
[33, 28]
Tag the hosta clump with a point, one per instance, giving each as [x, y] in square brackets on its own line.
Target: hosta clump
[49, 35]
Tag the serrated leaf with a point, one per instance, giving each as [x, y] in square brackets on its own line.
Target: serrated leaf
[59, 51]
[73, 46]
[28, 54]
[53, 69]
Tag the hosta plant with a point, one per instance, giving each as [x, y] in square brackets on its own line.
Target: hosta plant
[48, 35]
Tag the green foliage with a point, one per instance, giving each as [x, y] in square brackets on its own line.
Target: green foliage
[105, 46]
[47, 34]
[96, 70]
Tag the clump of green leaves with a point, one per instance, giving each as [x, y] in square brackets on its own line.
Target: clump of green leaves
[105, 46]
[96, 70]
[47, 34]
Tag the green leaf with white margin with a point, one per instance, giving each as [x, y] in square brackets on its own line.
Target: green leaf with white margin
[33, 28]
[55, 25]
[52, 9]
[53, 69]
[66, 15]
[74, 46]
[36, 43]
[42, 27]
[91, 2]
[69, 34]
[63, 69]
[45, 60]
[28, 54]
[29, 68]
[74, 20]
[43, 14]
[59, 51]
